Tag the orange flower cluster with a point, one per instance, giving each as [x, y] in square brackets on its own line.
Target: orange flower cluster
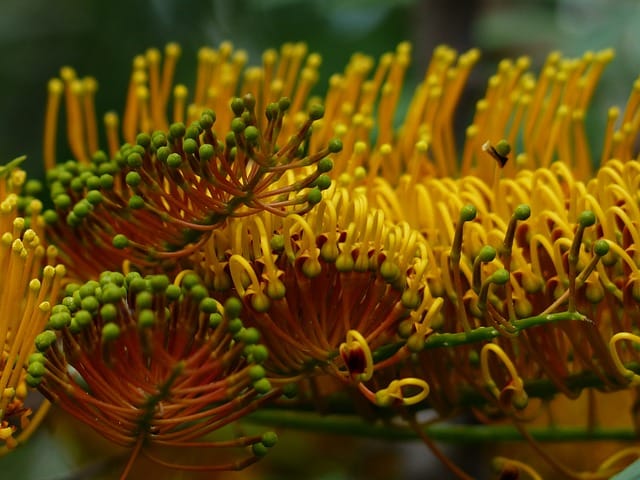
[372, 258]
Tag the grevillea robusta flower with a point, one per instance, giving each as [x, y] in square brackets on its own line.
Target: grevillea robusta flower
[364, 249]
[163, 191]
[151, 364]
[29, 284]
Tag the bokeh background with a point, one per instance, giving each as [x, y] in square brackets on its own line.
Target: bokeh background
[100, 38]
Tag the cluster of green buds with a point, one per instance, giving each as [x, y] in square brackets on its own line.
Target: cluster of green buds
[150, 363]
[160, 198]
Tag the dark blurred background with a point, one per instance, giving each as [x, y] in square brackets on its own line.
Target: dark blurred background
[99, 38]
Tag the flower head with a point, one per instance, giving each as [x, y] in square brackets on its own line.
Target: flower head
[159, 195]
[478, 282]
[150, 364]
[28, 285]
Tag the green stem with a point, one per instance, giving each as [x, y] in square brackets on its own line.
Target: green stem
[480, 334]
[443, 432]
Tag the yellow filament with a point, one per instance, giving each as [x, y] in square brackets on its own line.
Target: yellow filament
[517, 383]
[355, 341]
[630, 375]
[386, 396]
[55, 90]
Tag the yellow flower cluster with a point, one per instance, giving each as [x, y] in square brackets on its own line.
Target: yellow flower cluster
[29, 284]
[371, 255]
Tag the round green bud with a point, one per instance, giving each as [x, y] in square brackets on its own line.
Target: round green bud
[83, 318]
[31, 381]
[158, 139]
[259, 353]
[120, 241]
[106, 181]
[586, 218]
[59, 309]
[58, 321]
[237, 106]
[316, 112]
[163, 154]
[325, 165]
[215, 319]
[487, 253]
[138, 284]
[146, 318]
[601, 247]
[109, 168]
[73, 220]
[65, 178]
[134, 160]
[249, 336]
[112, 293]
[256, 372]
[45, 339]
[269, 439]
[159, 283]
[110, 332]
[500, 276]
[208, 305]
[174, 160]
[283, 104]
[206, 152]
[277, 242]
[100, 156]
[262, 386]
[522, 212]
[177, 130]
[468, 213]
[259, 449]
[207, 119]
[133, 179]
[410, 299]
[314, 196]
[33, 187]
[143, 139]
[193, 132]
[136, 202]
[173, 292]
[190, 280]
[94, 197]
[62, 201]
[232, 307]
[90, 304]
[271, 111]
[503, 148]
[109, 312]
[335, 145]
[389, 271]
[88, 289]
[234, 325]
[198, 292]
[251, 133]
[93, 182]
[77, 184]
[190, 146]
[36, 358]
[237, 126]
[323, 181]
[50, 217]
[144, 300]
[249, 101]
